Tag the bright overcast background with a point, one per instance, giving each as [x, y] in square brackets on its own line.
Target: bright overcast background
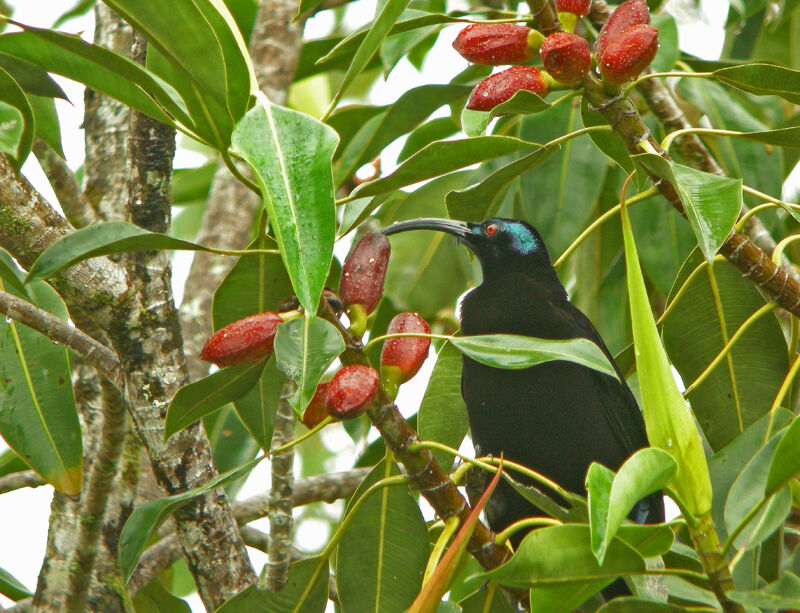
[24, 513]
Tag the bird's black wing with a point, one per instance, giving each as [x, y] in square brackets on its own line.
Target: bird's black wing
[619, 404]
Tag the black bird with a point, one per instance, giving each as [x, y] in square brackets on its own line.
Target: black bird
[557, 417]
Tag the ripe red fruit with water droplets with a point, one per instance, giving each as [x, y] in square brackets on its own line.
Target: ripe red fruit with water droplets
[246, 340]
[497, 44]
[576, 7]
[499, 87]
[351, 391]
[402, 357]
[625, 16]
[566, 57]
[315, 411]
[627, 56]
[363, 274]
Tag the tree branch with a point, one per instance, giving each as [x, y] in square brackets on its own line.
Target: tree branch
[281, 521]
[16, 481]
[65, 185]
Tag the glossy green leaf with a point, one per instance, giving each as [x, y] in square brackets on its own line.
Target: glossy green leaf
[650, 540]
[102, 239]
[11, 587]
[428, 270]
[785, 464]
[748, 491]
[598, 492]
[567, 185]
[12, 126]
[106, 71]
[443, 157]
[668, 49]
[257, 408]
[31, 77]
[80, 7]
[308, 580]
[38, 416]
[523, 102]
[193, 29]
[517, 352]
[290, 154]
[46, 121]
[11, 93]
[782, 594]
[231, 444]
[632, 604]
[763, 80]
[436, 129]
[646, 471]
[376, 132]
[557, 564]
[477, 602]
[196, 400]
[385, 17]
[712, 203]
[669, 425]
[742, 387]
[482, 200]
[305, 348]
[155, 598]
[383, 552]
[147, 518]
[192, 184]
[681, 589]
[607, 142]
[442, 412]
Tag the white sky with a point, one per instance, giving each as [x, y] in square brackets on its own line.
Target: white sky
[24, 513]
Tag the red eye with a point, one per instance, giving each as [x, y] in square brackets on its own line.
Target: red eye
[491, 229]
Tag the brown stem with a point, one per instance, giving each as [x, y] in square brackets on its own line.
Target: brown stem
[16, 481]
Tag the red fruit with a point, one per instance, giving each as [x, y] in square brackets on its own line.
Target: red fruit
[627, 56]
[499, 87]
[628, 14]
[576, 7]
[315, 411]
[246, 340]
[363, 272]
[401, 358]
[496, 44]
[351, 391]
[566, 57]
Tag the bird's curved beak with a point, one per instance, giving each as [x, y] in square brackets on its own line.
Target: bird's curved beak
[460, 229]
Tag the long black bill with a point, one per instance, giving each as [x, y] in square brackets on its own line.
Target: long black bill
[456, 228]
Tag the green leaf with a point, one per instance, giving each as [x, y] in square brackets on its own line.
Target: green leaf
[560, 558]
[383, 552]
[290, 154]
[385, 17]
[763, 80]
[668, 49]
[782, 594]
[308, 580]
[646, 471]
[748, 491]
[257, 407]
[442, 412]
[482, 200]
[607, 142]
[12, 126]
[438, 128]
[46, 121]
[375, 132]
[231, 444]
[478, 602]
[11, 93]
[443, 157]
[31, 78]
[102, 239]
[38, 416]
[517, 352]
[785, 463]
[650, 540]
[81, 7]
[192, 184]
[146, 518]
[11, 587]
[743, 386]
[523, 102]
[155, 598]
[632, 604]
[97, 67]
[669, 425]
[198, 28]
[196, 400]
[305, 347]
[712, 203]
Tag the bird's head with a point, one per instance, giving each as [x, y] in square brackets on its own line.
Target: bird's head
[499, 244]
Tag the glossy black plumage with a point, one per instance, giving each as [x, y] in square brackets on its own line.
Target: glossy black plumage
[557, 417]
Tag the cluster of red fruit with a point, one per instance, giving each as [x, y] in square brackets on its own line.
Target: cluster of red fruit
[354, 387]
[624, 48]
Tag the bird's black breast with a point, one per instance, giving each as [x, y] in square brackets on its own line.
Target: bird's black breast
[556, 417]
